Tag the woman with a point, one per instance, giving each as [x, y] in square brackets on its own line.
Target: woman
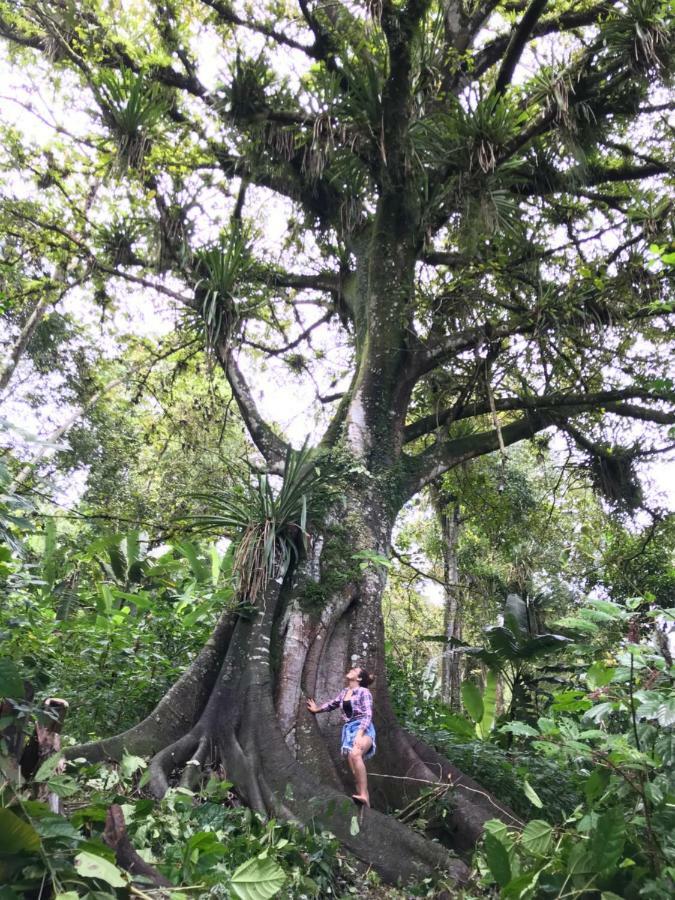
[358, 734]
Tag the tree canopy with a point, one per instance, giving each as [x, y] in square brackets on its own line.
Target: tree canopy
[474, 205]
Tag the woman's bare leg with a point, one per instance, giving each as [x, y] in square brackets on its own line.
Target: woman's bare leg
[361, 746]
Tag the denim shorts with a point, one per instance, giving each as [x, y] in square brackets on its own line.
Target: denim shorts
[349, 730]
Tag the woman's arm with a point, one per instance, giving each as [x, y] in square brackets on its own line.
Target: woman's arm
[325, 707]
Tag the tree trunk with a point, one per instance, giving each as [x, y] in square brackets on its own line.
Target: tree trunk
[23, 339]
[447, 511]
[243, 702]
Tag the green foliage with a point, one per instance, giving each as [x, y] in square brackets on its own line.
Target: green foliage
[218, 268]
[269, 527]
[206, 838]
[104, 623]
[13, 521]
[132, 106]
[501, 770]
[480, 706]
[616, 735]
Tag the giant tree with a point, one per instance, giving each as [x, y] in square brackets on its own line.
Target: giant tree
[471, 191]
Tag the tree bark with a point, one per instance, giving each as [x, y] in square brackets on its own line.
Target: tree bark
[23, 339]
[447, 511]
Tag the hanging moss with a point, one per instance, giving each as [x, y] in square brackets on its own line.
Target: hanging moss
[613, 473]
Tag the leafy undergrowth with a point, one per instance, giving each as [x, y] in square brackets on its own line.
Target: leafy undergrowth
[591, 772]
[207, 843]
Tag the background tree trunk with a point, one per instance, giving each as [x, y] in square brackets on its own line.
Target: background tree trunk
[447, 510]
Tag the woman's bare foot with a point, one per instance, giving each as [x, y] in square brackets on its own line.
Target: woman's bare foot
[363, 799]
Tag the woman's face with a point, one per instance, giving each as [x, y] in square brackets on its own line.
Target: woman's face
[353, 674]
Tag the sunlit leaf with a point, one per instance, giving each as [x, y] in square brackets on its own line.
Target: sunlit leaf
[472, 700]
[257, 879]
[537, 837]
[532, 795]
[91, 866]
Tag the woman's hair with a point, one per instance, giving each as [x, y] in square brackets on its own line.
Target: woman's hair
[365, 678]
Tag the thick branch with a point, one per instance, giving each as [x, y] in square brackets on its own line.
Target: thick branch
[227, 15]
[285, 178]
[323, 281]
[272, 447]
[556, 183]
[291, 345]
[445, 258]
[323, 44]
[25, 336]
[497, 48]
[436, 353]
[517, 43]
[444, 455]
[608, 400]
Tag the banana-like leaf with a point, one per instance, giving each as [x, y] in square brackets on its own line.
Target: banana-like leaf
[487, 722]
[515, 615]
[472, 700]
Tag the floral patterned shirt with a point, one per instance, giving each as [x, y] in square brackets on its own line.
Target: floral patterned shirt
[362, 706]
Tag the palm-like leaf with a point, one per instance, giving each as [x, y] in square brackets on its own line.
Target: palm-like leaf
[269, 528]
[639, 36]
[132, 108]
[218, 268]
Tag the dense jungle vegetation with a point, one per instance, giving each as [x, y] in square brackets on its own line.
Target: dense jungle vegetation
[337, 334]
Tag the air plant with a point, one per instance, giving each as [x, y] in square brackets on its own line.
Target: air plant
[132, 108]
[612, 470]
[247, 92]
[640, 35]
[267, 526]
[218, 267]
[117, 238]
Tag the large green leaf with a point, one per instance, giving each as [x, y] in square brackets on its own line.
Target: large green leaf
[472, 700]
[48, 767]
[497, 858]
[537, 837]
[521, 886]
[486, 724]
[519, 728]
[503, 642]
[596, 783]
[132, 548]
[542, 645]
[607, 839]
[191, 554]
[131, 764]
[599, 675]
[118, 561]
[666, 712]
[664, 748]
[515, 615]
[459, 725]
[91, 866]
[16, 835]
[257, 879]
